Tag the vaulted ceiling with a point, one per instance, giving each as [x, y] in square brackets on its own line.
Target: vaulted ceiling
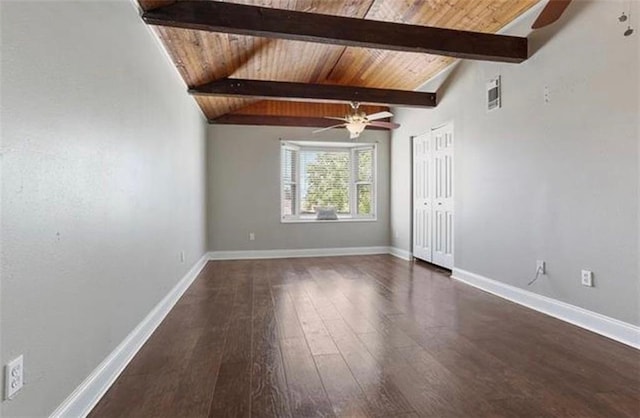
[202, 57]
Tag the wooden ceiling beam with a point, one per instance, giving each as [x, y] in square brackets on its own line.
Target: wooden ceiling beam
[215, 16]
[276, 120]
[281, 90]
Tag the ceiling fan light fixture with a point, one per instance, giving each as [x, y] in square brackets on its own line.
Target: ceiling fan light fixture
[357, 121]
[355, 128]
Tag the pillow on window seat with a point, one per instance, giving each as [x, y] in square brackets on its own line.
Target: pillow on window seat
[326, 214]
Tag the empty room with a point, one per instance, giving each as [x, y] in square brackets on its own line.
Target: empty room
[320, 208]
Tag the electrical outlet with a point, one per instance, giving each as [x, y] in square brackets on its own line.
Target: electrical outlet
[587, 278]
[541, 267]
[182, 257]
[13, 377]
[252, 236]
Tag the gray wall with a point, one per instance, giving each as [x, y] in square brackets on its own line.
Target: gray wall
[244, 193]
[555, 181]
[102, 187]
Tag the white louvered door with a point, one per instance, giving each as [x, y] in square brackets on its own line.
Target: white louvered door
[421, 198]
[433, 196]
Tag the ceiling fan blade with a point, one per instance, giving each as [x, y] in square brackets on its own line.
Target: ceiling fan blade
[551, 12]
[389, 125]
[329, 127]
[379, 115]
[336, 118]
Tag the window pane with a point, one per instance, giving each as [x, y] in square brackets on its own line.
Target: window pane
[324, 178]
[364, 160]
[288, 199]
[364, 199]
[288, 165]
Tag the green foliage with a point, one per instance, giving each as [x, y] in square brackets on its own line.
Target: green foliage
[328, 182]
[364, 199]
[364, 160]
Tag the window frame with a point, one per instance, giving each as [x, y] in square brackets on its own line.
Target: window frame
[351, 148]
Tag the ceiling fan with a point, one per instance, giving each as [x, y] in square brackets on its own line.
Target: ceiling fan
[551, 12]
[357, 121]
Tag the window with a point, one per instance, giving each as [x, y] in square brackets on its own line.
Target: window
[319, 175]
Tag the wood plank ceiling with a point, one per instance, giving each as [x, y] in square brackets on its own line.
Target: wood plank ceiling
[202, 57]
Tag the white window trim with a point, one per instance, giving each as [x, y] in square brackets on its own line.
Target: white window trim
[331, 146]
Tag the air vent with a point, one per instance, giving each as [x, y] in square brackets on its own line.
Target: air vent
[493, 94]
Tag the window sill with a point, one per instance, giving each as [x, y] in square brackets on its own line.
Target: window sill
[316, 221]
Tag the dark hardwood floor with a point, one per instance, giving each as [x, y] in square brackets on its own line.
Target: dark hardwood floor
[367, 336]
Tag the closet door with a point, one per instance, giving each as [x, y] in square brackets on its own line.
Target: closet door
[442, 192]
[422, 216]
[433, 196]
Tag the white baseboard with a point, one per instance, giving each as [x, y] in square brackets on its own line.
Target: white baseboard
[87, 395]
[309, 252]
[609, 327]
[400, 253]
